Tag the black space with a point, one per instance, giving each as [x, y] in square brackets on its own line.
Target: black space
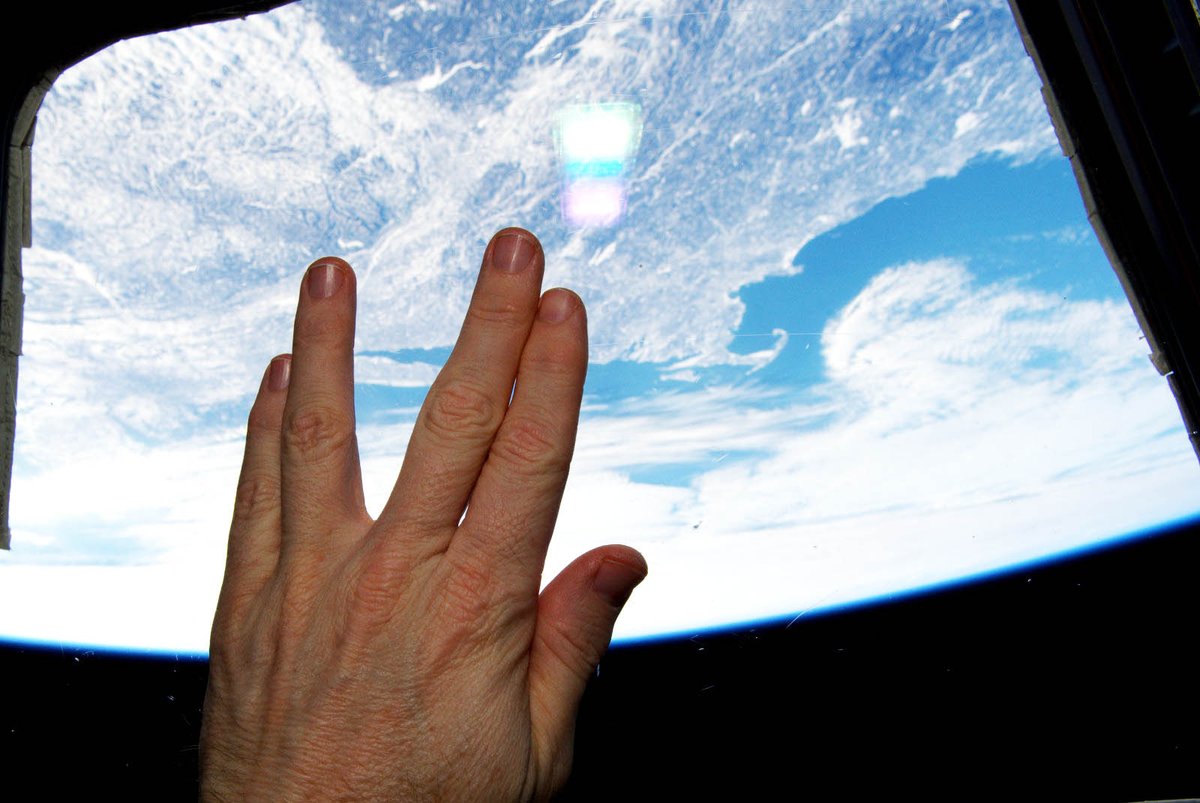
[1073, 680]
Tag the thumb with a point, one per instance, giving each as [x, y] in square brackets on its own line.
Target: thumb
[576, 613]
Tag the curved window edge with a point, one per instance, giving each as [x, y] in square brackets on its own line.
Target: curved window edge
[21, 94]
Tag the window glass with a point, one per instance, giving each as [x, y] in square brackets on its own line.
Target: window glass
[851, 332]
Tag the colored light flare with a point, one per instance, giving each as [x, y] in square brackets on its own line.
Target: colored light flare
[596, 146]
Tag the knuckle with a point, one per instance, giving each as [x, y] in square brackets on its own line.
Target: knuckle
[233, 607]
[471, 595]
[226, 628]
[377, 589]
[297, 602]
[237, 651]
[496, 311]
[466, 594]
[474, 609]
[263, 421]
[574, 649]
[257, 496]
[461, 409]
[314, 433]
[530, 447]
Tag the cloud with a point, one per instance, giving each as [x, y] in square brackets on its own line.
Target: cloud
[922, 333]
[961, 427]
[240, 151]
[846, 127]
[966, 123]
[183, 181]
[386, 371]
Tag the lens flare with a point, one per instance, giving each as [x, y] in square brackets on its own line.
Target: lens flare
[596, 146]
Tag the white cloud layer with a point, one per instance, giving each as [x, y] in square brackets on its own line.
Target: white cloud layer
[183, 181]
[241, 147]
[963, 427]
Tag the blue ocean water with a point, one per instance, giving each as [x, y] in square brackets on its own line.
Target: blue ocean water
[1023, 223]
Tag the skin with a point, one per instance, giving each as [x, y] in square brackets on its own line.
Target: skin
[411, 657]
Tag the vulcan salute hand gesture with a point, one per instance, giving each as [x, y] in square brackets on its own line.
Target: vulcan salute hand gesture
[411, 657]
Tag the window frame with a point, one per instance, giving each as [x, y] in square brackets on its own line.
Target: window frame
[61, 34]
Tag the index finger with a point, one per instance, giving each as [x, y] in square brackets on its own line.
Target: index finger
[468, 400]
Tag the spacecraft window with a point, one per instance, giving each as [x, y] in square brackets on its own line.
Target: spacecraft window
[851, 332]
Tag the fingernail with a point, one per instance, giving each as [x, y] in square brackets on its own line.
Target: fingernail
[280, 373]
[324, 280]
[556, 307]
[512, 253]
[616, 581]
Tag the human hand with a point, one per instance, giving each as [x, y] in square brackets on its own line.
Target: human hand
[411, 657]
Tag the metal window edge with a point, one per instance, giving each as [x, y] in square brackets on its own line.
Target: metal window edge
[16, 192]
[1067, 143]
[18, 235]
